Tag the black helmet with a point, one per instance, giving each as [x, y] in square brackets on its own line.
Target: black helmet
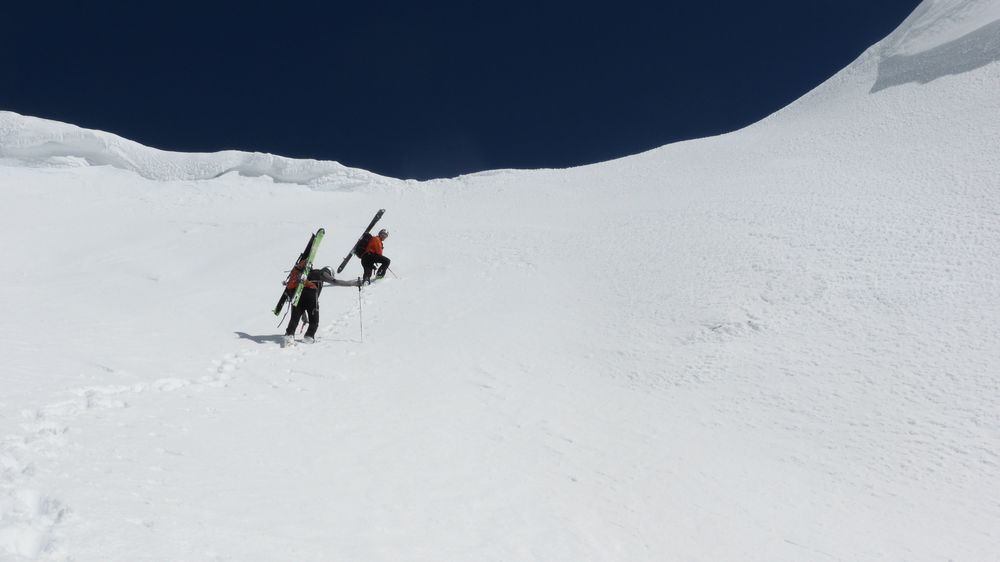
[383, 233]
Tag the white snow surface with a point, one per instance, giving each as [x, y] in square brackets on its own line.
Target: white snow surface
[782, 343]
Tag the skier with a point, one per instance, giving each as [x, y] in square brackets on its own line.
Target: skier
[309, 304]
[373, 256]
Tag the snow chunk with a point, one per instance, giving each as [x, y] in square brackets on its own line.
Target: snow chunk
[940, 38]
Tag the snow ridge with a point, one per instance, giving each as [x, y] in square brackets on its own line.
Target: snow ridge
[940, 38]
[937, 22]
[40, 142]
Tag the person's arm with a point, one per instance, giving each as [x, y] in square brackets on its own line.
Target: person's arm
[329, 279]
[318, 275]
[340, 283]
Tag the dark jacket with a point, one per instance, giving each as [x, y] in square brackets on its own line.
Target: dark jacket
[324, 276]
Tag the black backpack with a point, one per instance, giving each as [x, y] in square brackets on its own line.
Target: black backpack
[361, 247]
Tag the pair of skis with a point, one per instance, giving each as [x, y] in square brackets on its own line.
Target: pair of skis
[304, 265]
[301, 270]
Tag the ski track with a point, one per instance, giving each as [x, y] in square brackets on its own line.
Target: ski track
[29, 517]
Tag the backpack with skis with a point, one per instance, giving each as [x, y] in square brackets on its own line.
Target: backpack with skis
[298, 276]
[362, 243]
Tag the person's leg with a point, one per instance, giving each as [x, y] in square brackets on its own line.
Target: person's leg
[383, 267]
[293, 320]
[313, 323]
[368, 263]
[310, 304]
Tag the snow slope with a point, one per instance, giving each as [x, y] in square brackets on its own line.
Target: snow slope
[776, 344]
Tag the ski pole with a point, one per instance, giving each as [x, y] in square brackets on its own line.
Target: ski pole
[361, 318]
[285, 315]
[392, 272]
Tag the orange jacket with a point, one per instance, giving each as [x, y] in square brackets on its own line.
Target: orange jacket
[375, 246]
[293, 277]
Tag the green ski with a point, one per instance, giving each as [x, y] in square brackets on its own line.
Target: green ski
[307, 267]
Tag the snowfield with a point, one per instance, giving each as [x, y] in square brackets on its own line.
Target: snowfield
[782, 343]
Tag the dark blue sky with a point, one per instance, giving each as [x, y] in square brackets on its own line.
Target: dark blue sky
[426, 89]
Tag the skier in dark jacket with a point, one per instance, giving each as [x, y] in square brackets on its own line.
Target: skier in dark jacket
[309, 303]
[373, 256]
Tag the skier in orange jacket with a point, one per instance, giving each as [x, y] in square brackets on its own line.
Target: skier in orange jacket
[373, 256]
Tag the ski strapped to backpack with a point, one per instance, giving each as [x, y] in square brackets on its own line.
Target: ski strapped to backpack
[306, 267]
[362, 243]
[297, 278]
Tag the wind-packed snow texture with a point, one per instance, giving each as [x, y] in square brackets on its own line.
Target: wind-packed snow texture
[781, 343]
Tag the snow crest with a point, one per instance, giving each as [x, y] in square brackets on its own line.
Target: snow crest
[940, 38]
[33, 141]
